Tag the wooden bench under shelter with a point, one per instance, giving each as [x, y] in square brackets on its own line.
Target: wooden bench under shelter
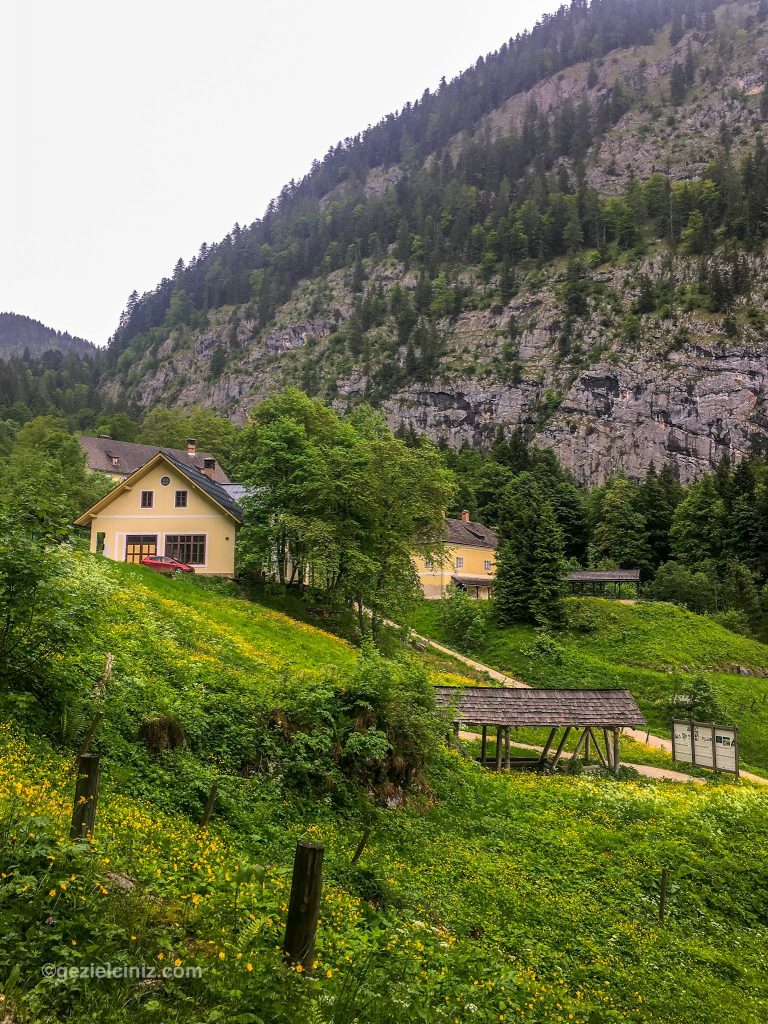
[580, 580]
[594, 712]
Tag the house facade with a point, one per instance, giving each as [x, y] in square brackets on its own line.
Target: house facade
[167, 507]
[469, 561]
[119, 459]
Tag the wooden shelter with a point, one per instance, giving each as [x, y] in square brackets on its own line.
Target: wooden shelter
[580, 580]
[504, 708]
[476, 586]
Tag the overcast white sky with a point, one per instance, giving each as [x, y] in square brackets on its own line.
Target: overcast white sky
[134, 132]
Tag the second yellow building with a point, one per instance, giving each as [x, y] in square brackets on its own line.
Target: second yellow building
[469, 562]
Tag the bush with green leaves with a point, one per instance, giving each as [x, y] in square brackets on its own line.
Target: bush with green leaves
[375, 727]
[680, 585]
[464, 619]
[47, 605]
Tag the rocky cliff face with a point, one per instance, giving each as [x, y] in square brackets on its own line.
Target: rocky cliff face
[606, 390]
[680, 390]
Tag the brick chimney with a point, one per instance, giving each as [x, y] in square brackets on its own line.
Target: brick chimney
[465, 516]
[209, 467]
[191, 446]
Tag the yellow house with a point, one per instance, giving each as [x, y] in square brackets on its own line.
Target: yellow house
[168, 508]
[469, 561]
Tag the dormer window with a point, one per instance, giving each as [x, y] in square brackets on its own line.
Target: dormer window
[115, 461]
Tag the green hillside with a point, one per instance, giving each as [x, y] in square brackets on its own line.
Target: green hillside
[649, 648]
[20, 334]
[478, 897]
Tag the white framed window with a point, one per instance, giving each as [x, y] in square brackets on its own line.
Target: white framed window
[459, 561]
[488, 565]
[181, 499]
[147, 499]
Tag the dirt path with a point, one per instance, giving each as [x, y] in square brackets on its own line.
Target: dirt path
[648, 770]
[662, 744]
[499, 676]
[657, 742]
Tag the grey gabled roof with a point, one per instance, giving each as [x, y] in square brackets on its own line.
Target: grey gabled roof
[206, 484]
[605, 576]
[99, 452]
[485, 705]
[469, 534]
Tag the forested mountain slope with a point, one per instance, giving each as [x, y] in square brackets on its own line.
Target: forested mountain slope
[20, 334]
[568, 237]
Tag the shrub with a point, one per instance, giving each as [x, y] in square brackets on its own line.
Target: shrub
[736, 621]
[675, 583]
[377, 728]
[696, 697]
[465, 620]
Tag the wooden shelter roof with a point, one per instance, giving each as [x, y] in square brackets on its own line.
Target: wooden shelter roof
[473, 581]
[609, 576]
[485, 705]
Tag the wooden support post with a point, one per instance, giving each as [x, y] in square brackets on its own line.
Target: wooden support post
[506, 747]
[498, 748]
[616, 749]
[304, 904]
[663, 896]
[208, 810]
[547, 745]
[608, 750]
[484, 746]
[603, 762]
[587, 735]
[361, 846]
[86, 795]
[560, 747]
[579, 742]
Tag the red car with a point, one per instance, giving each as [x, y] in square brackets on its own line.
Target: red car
[165, 564]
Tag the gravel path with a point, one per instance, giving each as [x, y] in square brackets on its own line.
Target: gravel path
[648, 770]
[657, 742]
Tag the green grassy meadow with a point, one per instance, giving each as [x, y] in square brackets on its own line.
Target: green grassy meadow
[647, 648]
[478, 897]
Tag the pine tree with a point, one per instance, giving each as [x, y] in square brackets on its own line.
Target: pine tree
[658, 509]
[697, 525]
[513, 588]
[549, 570]
[676, 31]
[620, 535]
[677, 85]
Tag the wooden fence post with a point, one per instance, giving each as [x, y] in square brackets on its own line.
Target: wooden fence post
[208, 811]
[86, 744]
[304, 905]
[361, 846]
[86, 794]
